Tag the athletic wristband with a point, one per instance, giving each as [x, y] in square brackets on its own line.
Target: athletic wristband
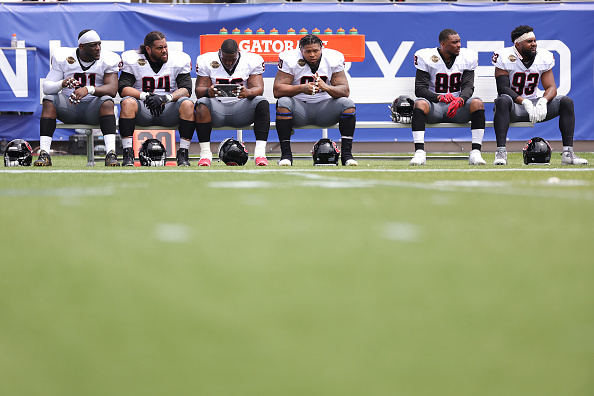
[90, 89]
[144, 95]
[169, 98]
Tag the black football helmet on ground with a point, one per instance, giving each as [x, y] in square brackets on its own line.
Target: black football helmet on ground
[402, 109]
[152, 153]
[537, 151]
[325, 152]
[18, 153]
[233, 152]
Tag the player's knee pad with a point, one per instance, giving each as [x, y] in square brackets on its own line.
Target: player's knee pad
[566, 102]
[503, 102]
[286, 103]
[346, 104]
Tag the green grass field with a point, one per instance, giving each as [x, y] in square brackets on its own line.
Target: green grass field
[376, 280]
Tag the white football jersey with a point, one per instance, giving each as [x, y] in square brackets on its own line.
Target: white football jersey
[147, 80]
[292, 62]
[65, 63]
[444, 80]
[209, 65]
[523, 80]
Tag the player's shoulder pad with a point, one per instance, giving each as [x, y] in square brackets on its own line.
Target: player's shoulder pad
[329, 52]
[205, 58]
[110, 57]
[290, 56]
[500, 51]
[179, 58]
[63, 53]
[252, 57]
[130, 57]
[422, 56]
[546, 55]
[426, 52]
[469, 55]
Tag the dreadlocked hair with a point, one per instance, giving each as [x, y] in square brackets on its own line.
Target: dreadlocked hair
[310, 39]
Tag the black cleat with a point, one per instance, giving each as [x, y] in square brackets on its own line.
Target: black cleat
[182, 157]
[111, 159]
[128, 157]
[44, 159]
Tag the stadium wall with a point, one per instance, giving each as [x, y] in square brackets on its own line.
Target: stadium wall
[393, 33]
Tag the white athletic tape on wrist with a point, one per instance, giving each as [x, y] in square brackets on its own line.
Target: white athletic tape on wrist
[524, 37]
[89, 37]
[144, 95]
[90, 89]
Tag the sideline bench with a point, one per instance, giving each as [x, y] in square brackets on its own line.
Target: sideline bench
[364, 90]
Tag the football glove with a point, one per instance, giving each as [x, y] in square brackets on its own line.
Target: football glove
[155, 104]
[454, 106]
[73, 100]
[527, 103]
[541, 109]
[447, 98]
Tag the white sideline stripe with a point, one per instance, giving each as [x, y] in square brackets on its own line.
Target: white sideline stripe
[537, 188]
[264, 171]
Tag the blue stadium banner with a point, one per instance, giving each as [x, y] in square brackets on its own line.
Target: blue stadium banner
[19, 82]
[393, 33]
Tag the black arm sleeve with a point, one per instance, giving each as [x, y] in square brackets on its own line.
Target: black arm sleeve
[126, 80]
[184, 81]
[503, 87]
[467, 85]
[422, 87]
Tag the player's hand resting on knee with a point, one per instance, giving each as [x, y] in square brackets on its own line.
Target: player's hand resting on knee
[454, 106]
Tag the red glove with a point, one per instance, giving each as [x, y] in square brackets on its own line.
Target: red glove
[447, 98]
[454, 106]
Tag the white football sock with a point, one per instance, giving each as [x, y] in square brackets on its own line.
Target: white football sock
[184, 143]
[477, 135]
[418, 136]
[205, 150]
[260, 149]
[109, 142]
[45, 142]
[127, 142]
